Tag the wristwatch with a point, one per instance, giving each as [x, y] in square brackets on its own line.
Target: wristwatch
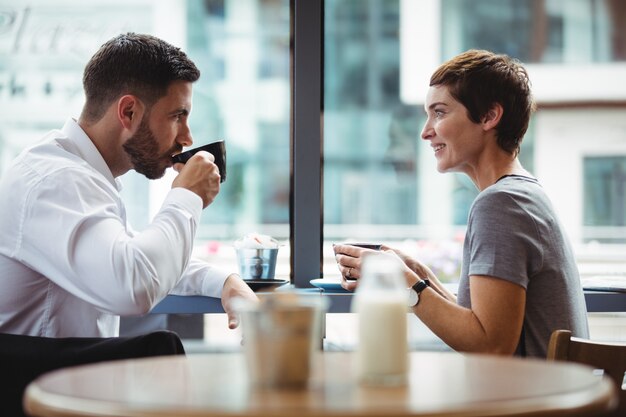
[415, 290]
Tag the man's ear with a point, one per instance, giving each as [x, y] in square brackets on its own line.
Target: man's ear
[491, 119]
[129, 111]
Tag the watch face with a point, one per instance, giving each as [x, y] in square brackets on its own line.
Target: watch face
[413, 298]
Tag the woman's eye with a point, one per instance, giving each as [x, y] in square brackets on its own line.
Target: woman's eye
[438, 113]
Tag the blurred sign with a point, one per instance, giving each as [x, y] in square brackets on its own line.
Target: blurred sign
[44, 47]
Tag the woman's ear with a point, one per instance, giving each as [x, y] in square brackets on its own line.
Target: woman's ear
[129, 111]
[493, 116]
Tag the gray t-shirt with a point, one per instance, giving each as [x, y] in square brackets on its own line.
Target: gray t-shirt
[513, 234]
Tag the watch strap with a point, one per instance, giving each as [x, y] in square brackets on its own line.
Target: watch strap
[421, 285]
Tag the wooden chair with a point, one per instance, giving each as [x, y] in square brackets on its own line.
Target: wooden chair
[609, 357]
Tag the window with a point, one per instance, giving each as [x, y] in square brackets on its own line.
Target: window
[550, 31]
[242, 50]
[605, 196]
[379, 176]
[380, 179]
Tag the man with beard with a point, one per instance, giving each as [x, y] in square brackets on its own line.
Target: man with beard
[70, 264]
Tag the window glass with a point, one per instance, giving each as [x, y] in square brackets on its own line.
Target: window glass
[44, 47]
[242, 50]
[370, 136]
[380, 178]
[605, 196]
[550, 31]
[374, 162]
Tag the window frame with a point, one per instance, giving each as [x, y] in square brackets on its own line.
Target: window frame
[306, 141]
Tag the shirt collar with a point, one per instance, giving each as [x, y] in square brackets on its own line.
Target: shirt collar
[88, 151]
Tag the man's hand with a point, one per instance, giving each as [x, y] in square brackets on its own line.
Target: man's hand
[199, 175]
[235, 287]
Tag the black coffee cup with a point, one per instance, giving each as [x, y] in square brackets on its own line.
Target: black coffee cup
[217, 149]
[374, 246]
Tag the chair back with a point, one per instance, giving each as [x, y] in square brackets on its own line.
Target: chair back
[23, 358]
[609, 357]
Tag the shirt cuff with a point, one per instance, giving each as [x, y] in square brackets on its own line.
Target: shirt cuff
[214, 282]
[185, 199]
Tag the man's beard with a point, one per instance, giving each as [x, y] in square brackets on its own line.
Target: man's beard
[143, 150]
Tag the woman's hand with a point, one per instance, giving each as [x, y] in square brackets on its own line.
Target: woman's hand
[349, 260]
[413, 264]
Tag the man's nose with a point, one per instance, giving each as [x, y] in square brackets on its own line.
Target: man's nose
[184, 137]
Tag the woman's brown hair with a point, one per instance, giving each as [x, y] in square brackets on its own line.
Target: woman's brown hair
[479, 79]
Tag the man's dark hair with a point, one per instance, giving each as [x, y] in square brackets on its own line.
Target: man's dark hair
[137, 64]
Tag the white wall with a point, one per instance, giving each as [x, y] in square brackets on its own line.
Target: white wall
[563, 138]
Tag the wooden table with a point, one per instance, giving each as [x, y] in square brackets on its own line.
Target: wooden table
[440, 384]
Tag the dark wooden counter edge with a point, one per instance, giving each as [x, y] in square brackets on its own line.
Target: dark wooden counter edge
[597, 301]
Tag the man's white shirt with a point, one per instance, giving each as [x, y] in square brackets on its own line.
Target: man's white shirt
[70, 264]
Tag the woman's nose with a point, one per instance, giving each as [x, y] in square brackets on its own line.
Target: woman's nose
[427, 131]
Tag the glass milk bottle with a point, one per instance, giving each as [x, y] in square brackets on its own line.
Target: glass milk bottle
[381, 304]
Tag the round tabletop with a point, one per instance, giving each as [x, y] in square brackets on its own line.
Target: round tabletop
[449, 384]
